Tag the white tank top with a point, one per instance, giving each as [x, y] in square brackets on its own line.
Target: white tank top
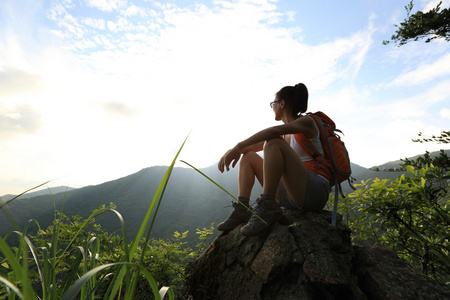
[299, 150]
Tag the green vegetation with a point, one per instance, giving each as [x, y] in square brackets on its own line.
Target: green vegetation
[409, 214]
[432, 24]
[443, 138]
[82, 245]
[75, 258]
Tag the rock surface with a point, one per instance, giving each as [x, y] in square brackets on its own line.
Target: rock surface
[305, 258]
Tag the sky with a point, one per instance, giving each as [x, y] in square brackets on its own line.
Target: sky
[94, 90]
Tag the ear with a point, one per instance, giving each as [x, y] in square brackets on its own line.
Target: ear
[282, 103]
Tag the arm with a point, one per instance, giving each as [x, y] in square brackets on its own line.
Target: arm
[255, 148]
[303, 125]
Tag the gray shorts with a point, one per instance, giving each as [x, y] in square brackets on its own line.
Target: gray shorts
[316, 196]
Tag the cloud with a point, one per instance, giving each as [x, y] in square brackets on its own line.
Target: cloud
[445, 113]
[419, 105]
[142, 76]
[430, 4]
[118, 108]
[94, 23]
[424, 73]
[133, 10]
[15, 81]
[15, 121]
[106, 5]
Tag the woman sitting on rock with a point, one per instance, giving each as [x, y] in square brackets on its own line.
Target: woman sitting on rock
[287, 173]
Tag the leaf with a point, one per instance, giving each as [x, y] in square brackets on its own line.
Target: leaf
[206, 176]
[410, 170]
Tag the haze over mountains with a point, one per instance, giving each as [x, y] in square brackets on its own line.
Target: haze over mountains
[190, 200]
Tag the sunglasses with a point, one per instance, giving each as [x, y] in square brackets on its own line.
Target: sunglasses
[273, 103]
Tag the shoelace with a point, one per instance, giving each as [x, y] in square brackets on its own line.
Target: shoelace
[233, 204]
[257, 210]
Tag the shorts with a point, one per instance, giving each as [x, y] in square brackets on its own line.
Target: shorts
[316, 196]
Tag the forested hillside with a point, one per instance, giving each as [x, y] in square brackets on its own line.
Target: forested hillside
[190, 200]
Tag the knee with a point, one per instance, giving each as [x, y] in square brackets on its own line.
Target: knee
[248, 157]
[275, 142]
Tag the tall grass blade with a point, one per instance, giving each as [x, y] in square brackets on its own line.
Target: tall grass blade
[207, 177]
[73, 291]
[73, 269]
[12, 287]
[20, 273]
[1, 206]
[155, 201]
[156, 198]
[8, 215]
[164, 290]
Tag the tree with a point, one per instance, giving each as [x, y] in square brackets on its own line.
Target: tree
[432, 24]
[410, 215]
[444, 138]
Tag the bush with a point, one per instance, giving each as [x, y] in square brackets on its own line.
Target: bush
[410, 215]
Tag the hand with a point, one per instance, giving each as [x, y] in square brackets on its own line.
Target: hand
[232, 155]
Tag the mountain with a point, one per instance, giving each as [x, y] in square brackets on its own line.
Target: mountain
[395, 163]
[47, 191]
[190, 201]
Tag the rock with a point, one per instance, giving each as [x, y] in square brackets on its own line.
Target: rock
[304, 258]
[383, 275]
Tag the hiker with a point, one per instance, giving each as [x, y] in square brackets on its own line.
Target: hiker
[288, 175]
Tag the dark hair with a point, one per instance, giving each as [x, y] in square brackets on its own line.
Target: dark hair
[296, 98]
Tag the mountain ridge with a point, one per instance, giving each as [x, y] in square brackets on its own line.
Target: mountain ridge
[190, 200]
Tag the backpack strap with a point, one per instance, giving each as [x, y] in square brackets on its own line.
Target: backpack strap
[319, 157]
[337, 189]
[309, 148]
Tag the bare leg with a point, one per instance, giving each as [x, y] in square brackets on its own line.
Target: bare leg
[250, 165]
[281, 162]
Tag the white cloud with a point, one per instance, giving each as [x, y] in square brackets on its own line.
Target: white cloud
[95, 23]
[133, 10]
[106, 5]
[15, 81]
[141, 84]
[445, 113]
[21, 119]
[430, 4]
[425, 72]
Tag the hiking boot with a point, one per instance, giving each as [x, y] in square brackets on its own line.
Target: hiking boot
[268, 210]
[239, 215]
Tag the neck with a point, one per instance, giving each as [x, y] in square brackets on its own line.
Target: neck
[287, 118]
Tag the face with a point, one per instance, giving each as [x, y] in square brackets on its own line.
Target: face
[277, 108]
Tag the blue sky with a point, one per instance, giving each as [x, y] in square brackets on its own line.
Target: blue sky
[93, 90]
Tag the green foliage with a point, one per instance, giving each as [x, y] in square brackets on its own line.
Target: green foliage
[432, 24]
[83, 275]
[410, 214]
[80, 251]
[76, 258]
[444, 138]
[440, 161]
[167, 260]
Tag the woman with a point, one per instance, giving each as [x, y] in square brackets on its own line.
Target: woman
[287, 173]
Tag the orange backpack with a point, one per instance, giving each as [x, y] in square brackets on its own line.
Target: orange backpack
[335, 159]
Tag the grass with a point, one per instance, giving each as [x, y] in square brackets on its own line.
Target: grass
[121, 278]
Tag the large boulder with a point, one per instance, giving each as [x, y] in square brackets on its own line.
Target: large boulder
[304, 258]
